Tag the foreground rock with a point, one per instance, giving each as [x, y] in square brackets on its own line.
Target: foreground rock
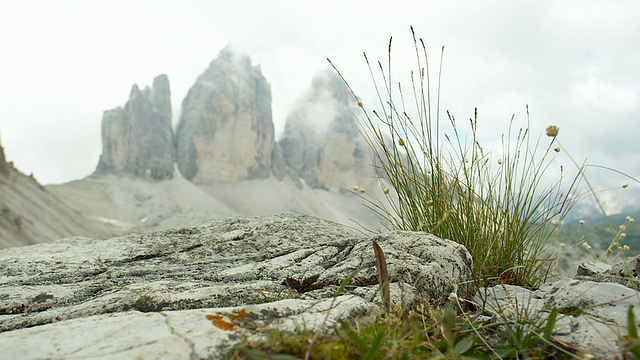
[592, 316]
[195, 292]
[138, 139]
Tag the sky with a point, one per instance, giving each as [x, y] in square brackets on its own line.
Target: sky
[575, 63]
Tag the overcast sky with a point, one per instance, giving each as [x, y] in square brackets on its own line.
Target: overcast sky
[576, 63]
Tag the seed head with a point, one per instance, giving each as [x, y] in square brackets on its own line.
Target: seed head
[624, 186]
[552, 130]
[360, 103]
[556, 149]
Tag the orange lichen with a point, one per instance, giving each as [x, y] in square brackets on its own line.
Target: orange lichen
[220, 323]
[238, 314]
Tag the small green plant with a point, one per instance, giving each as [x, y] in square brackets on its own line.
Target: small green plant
[445, 183]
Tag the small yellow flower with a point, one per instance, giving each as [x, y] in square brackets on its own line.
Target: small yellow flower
[556, 223]
[552, 130]
[355, 188]
[562, 245]
[362, 190]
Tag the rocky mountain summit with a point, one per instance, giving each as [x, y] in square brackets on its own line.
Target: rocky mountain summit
[138, 139]
[226, 132]
[222, 159]
[321, 143]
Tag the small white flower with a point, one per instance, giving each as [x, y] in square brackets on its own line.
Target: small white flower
[626, 248]
[562, 245]
[623, 227]
[453, 296]
[581, 222]
[623, 235]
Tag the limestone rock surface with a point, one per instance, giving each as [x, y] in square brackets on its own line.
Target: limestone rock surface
[226, 133]
[321, 143]
[195, 292]
[592, 316]
[138, 139]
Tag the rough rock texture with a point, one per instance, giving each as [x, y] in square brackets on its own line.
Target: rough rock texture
[321, 143]
[226, 131]
[138, 139]
[626, 272]
[592, 315]
[150, 294]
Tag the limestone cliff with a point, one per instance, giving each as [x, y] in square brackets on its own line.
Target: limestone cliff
[226, 131]
[4, 168]
[138, 138]
[321, 142]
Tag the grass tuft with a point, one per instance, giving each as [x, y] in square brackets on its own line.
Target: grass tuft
[447, 185]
